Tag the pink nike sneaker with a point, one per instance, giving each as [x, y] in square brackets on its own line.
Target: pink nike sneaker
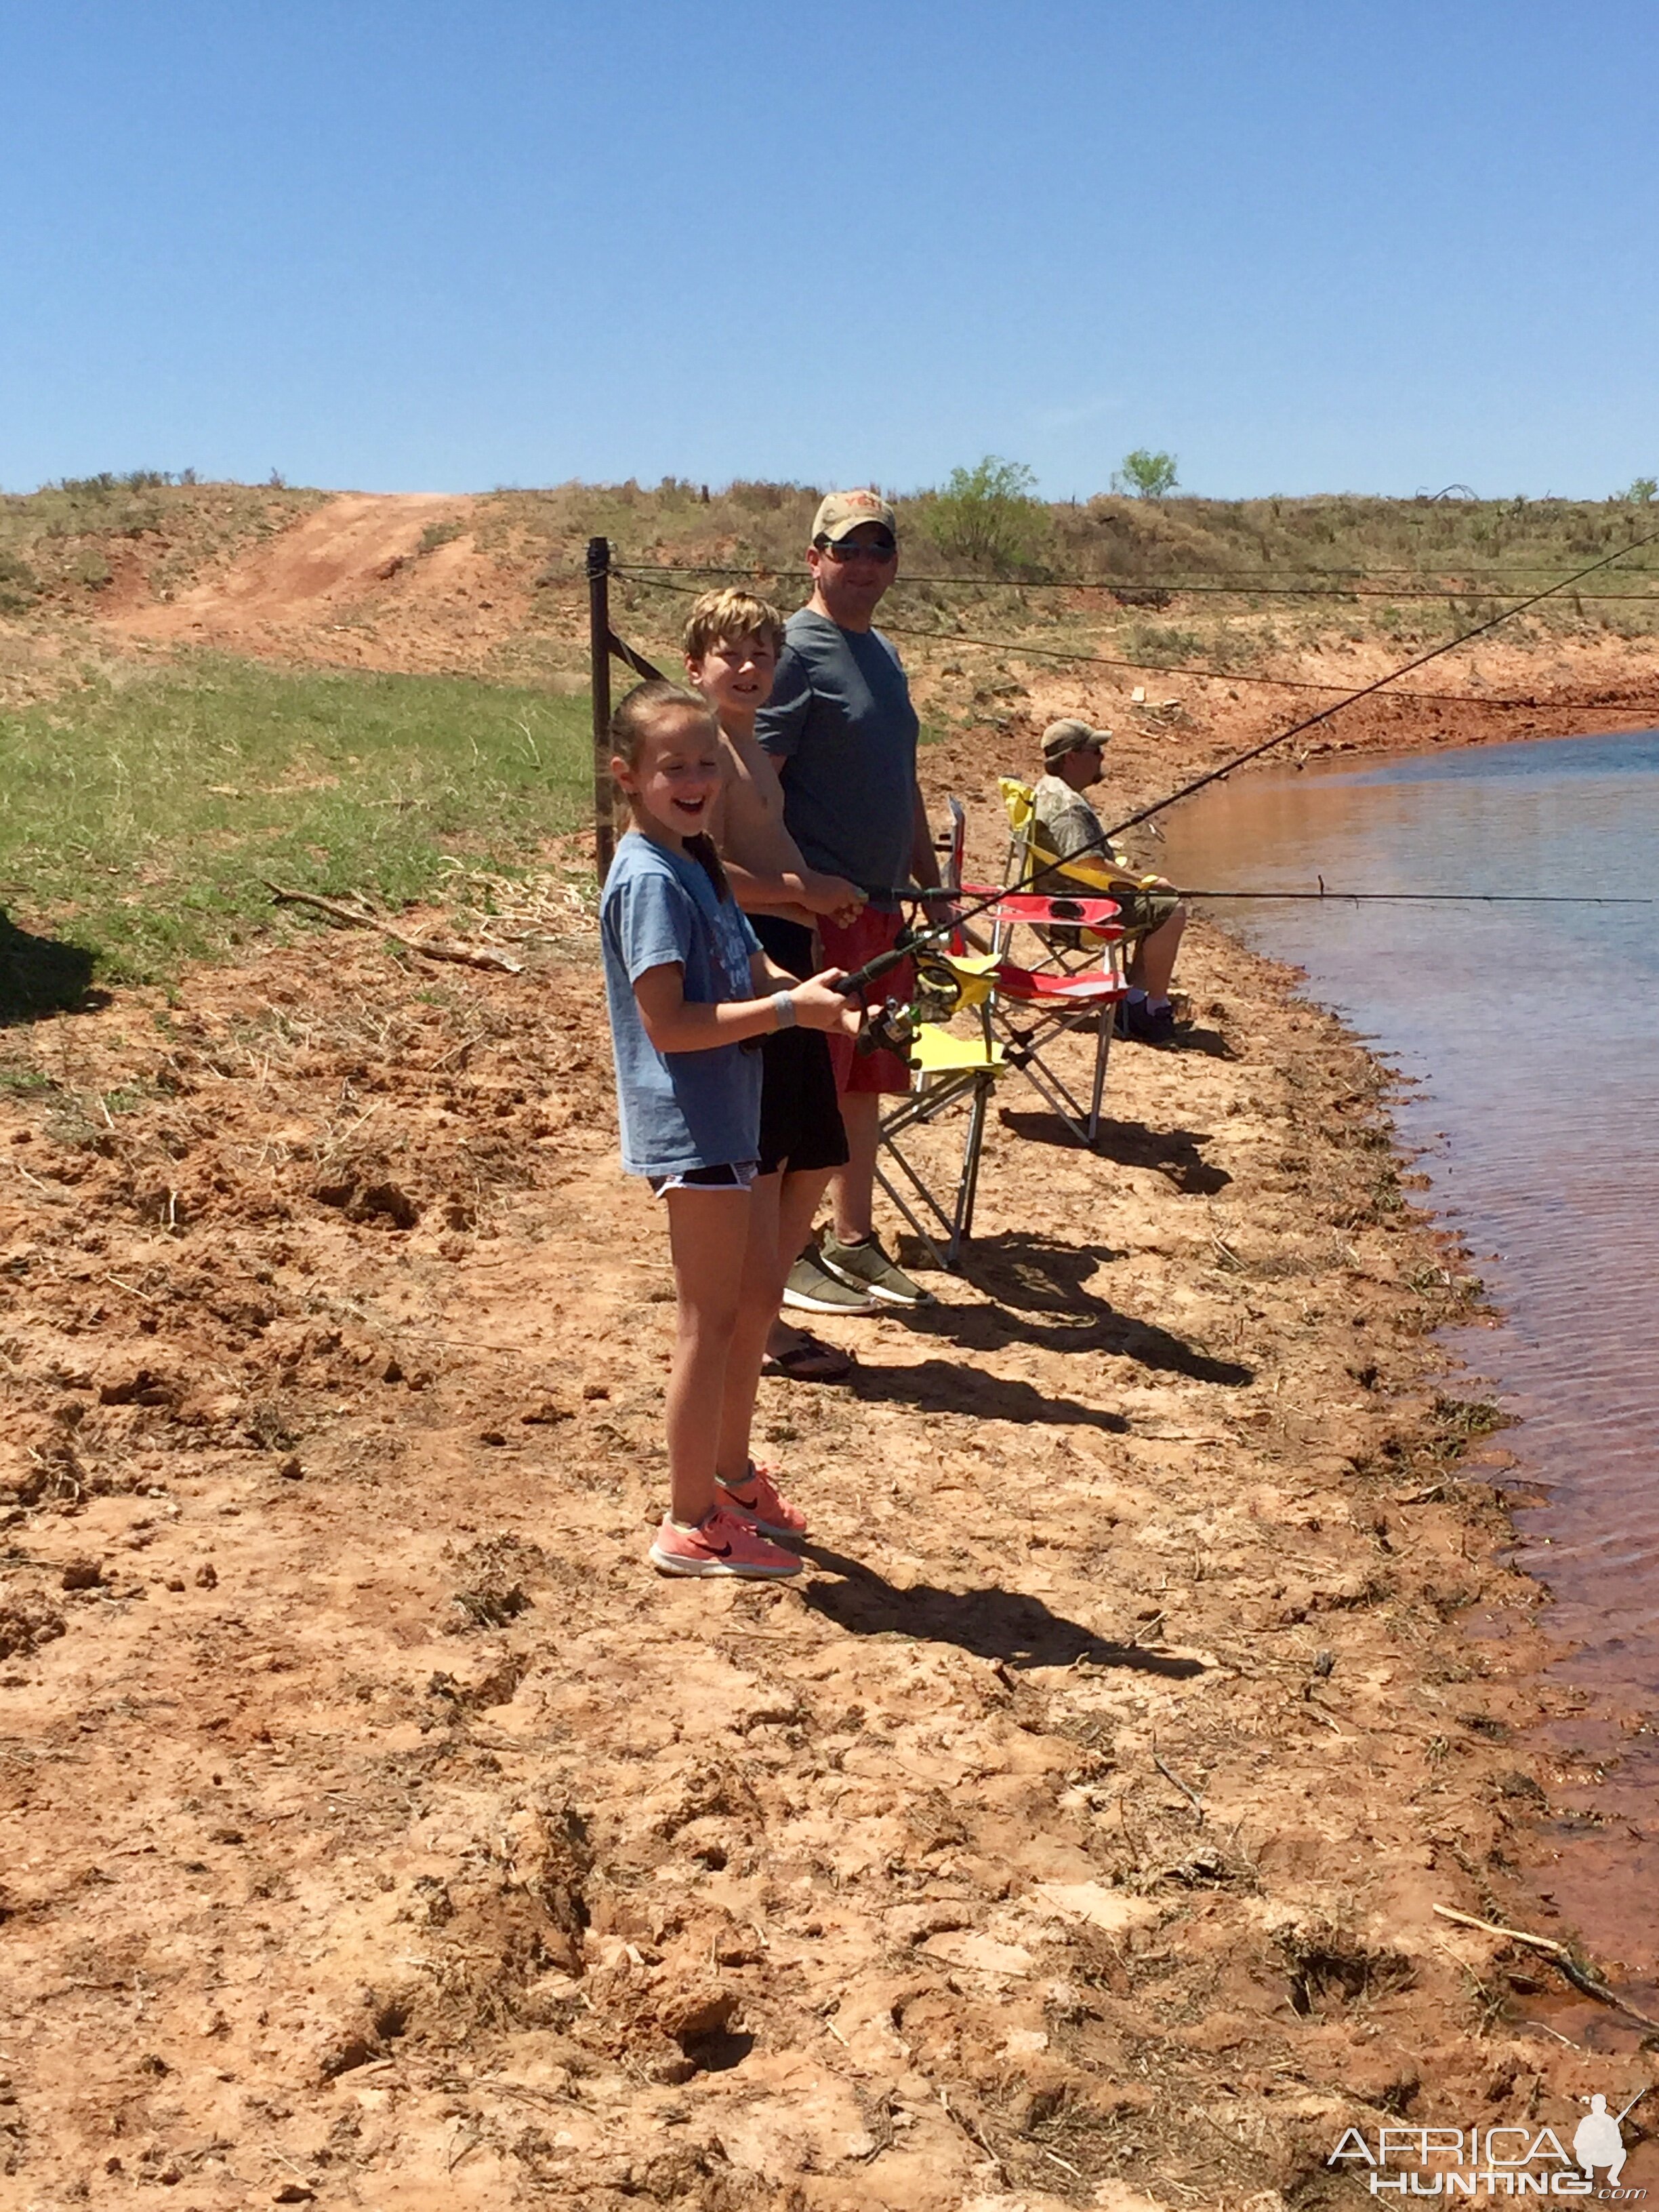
[755, 1501]
[721, 1543]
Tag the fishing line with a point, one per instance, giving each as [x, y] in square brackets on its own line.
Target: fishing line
[1437, 898]
[1326, 892]
[1365, 691]
[1233, 586]
[1036, 871]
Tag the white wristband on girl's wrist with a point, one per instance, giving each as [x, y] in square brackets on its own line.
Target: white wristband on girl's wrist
[783, 1006]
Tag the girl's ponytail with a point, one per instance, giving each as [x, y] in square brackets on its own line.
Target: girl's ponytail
[701, 849]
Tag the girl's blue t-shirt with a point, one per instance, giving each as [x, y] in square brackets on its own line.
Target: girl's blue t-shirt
[677, 1110]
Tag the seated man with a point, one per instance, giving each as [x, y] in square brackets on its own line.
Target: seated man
[1153, 917]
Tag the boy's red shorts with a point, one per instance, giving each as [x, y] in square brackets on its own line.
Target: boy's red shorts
[850, 948]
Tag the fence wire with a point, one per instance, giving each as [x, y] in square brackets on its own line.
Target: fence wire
[1017, 649]
[1132, 588]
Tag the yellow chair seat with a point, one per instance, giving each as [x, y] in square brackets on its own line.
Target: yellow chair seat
[935, 1051]
[974, 963]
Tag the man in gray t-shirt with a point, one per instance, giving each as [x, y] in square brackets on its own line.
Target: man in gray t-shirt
[842, 730]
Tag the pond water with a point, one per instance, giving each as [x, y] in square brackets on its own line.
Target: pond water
[1532, 1033]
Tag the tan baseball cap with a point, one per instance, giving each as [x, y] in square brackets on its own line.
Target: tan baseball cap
[1070, 736]
[844, 511]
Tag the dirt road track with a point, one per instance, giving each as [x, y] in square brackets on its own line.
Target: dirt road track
[329, 561]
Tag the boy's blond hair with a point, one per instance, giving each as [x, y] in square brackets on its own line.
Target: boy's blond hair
[723, 618]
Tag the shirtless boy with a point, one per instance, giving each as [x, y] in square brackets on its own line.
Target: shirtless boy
[732, 644]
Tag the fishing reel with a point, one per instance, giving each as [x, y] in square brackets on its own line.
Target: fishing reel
[892, 1025]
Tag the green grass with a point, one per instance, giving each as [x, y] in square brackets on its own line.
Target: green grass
[137, 817]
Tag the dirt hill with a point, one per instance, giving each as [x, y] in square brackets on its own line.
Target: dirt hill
[492, 585]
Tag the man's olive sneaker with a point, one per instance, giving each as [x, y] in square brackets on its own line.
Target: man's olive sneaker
[810, 1290]
[867, 1267]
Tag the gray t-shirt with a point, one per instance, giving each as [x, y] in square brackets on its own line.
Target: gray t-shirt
[677, 1110]
[841, 726]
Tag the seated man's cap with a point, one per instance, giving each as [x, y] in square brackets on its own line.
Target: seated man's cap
[1070, 736]
[844, 511]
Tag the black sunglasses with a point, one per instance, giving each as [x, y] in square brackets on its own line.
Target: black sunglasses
[881, 548]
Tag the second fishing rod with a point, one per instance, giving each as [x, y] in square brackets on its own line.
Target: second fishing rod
[1038, 871]
[1328, 892]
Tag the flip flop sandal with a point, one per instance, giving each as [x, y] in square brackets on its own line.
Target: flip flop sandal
[811, 1360]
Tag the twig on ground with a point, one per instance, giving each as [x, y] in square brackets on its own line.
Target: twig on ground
[972, 2128]
[529, 2092]
[1560, 1954]
[1170, 1775]
[462, 2146]
[362, 917]
[1491, 2004]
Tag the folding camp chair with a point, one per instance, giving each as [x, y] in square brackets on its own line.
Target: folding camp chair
[1032, 866]
[1028, 1010]
[949, 1068]
[1021, 1010]
[945, 1071]
[1029, 1007]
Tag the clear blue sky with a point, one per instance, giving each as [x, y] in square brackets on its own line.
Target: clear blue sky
[451, 244]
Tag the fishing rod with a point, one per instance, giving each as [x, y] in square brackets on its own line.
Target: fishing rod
[919, 891]
[1422, 660]
[855, 984]
[1437, 898]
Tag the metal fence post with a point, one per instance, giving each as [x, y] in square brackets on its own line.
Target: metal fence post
[598, 647]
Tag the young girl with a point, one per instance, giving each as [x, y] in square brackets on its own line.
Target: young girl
[688, 985]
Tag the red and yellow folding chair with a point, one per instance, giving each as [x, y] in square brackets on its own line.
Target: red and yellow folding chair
[1029, 1006]
[1031, 865]
[950, 1067]
[1027, 1010]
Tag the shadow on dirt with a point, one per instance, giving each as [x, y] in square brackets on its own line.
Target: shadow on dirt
[1174, 1152]
[1042, 1299]
[41, 975]
[1210, 1043]
[991, 1623]
[945, 1386]
[1033, 1273]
